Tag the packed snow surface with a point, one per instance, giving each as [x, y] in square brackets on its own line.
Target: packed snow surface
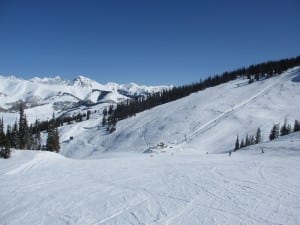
[172, 187]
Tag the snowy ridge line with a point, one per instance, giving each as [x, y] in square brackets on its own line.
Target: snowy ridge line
[234, 108]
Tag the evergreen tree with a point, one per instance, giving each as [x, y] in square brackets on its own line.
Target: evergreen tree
[237, 143]
[289, 128]
[296, 126]
[242, 144]
[252, 140]
[9, 135]
[105, 112]
[53, 137]
[258, 136]
[103, 120]
[50, 139]
[285, 129]
[274, 132]
[88, 113]
[248, 141]
[277, 131]
[79, 117]
[256, 77]
[30, 139]
[15, 136]
[24, 136]
[5, 151]
[110, 110]
[2, 134]
[56, 140]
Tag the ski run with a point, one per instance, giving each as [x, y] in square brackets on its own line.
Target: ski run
[249, 187]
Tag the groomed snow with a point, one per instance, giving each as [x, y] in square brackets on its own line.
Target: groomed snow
[175, 187]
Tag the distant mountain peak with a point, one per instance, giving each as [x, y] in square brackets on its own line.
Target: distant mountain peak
[83, 81]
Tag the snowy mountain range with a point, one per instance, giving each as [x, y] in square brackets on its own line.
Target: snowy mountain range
[48, 95]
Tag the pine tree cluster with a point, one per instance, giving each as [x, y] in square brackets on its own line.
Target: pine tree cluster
[248, 140]
[22, 136]
[275, 132]
[64, 119]
[285, 129]
[129, 108]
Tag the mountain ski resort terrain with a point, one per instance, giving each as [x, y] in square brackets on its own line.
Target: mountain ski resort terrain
[222, 151]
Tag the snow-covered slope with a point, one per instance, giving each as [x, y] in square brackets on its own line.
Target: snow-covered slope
[182, 180]
[48, 95]
[177, 188]
[207, 121]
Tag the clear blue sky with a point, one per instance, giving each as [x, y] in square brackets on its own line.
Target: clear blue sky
[144, 41]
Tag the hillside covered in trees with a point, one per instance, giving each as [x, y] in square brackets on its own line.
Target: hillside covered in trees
[253, 73]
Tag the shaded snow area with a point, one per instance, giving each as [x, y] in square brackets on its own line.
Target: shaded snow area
[207, 121]
[182, 187]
